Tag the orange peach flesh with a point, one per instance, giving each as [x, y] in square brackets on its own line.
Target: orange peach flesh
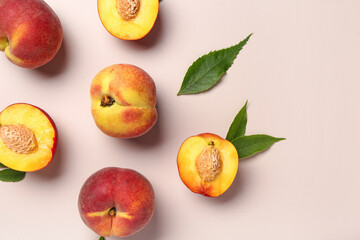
[128, 29]
[116, 202]
[189, 153]
[44, 132]
[132, 93]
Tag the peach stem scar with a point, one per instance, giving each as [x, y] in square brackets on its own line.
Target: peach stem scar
[112, 212]
[4, 43]
[106, 101]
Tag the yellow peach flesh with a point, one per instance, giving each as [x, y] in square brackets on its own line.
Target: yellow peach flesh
[189, 152]
[132, 29]
[44, 132]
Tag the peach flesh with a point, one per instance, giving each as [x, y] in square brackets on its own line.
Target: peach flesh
[207, 164]
[128, 19]
[27, 117]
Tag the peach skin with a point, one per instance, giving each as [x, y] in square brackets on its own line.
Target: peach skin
[123, 99]
[116, 202]
[30, 32]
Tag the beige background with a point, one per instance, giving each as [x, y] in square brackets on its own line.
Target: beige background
[300, 73]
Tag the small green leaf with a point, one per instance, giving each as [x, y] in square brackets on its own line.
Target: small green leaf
[247, 146]
[3, 166]
[101, 238]
[207, 70]
[238, 126]
[10, 175]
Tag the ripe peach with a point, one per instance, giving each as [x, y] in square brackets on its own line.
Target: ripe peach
[116, 202]
[30, 32]
[123, 99]
[128, 19]
[28, 137]
[207, 164]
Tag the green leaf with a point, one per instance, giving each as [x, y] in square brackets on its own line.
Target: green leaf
[247, 146]
[238, 126]
[3, 166]
[101, 238]
[10, 175]
[207, 70]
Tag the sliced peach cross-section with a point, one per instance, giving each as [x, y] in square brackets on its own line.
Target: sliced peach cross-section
[28, 137]
[207, 164]
[128, 19]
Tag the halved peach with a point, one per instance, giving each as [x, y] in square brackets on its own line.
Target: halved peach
[207, 164]
[128, 19]
[28, 137]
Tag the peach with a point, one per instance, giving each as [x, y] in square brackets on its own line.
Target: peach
[116, 202]
[128, 19]
[207, 164]
[123, 99]
[30, 32]
[28, 137]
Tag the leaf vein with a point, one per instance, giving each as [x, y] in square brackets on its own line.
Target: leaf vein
[214, 65]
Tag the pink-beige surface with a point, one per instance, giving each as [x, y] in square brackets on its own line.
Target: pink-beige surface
[299, 72]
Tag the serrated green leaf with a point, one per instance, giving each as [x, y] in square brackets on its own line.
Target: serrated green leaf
[207, 70]
[238, 126]
[247, 146]
[101, 238]
[2, 166]
[10, 175]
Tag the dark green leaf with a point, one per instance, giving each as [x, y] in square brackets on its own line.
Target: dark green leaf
[2, 166]
[101, 238]
[238, 126]
[207, 70]
[247, 146]
[10, 175]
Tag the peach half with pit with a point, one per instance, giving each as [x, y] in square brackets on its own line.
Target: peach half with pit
[123, 99]
[128, 19]
[116, 202]
[30, 32]
[207, 164]
[28, 137]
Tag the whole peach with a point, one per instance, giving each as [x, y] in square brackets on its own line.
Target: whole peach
[116, 202]
[30, 32]
[123, 99]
